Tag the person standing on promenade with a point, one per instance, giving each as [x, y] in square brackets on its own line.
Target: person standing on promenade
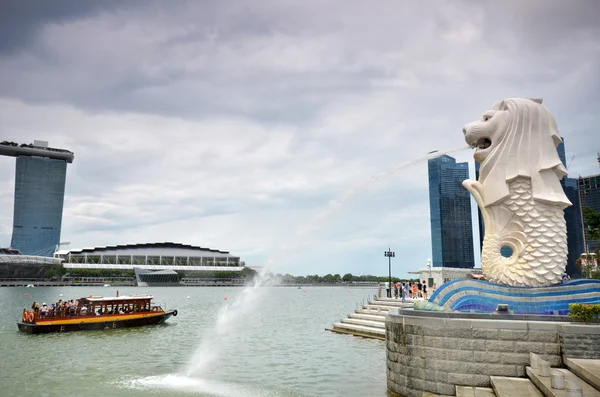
[424, 290]
[396, 289]
[404, 289]
[387, 289]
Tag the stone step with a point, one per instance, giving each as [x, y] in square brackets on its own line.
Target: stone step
[586, 369]
[392, 302]
[371, 317]
[514, 387]
[543, 383]
[366, 323]
[359, 330]
[471, 391]
[382, 308]
[371, 312]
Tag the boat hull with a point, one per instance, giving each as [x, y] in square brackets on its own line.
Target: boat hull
[97, 323]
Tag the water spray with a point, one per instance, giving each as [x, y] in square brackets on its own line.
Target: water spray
[335, 204]
[229, 320]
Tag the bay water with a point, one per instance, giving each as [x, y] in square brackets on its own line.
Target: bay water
[234, 341]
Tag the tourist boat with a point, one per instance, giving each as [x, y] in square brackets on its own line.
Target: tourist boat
[96, 312]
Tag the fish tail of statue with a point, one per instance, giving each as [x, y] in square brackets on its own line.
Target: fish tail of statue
[536, 236]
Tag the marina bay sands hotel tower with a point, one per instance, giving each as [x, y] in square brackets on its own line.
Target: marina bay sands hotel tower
[39, 195]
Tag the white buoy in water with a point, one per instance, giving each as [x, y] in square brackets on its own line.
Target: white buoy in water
[60, 295]
[188, 297]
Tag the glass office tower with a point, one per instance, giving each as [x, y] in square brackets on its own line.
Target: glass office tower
[574, 226]
[450, 210]
[572, 217]
[39, 195]
[589, 193]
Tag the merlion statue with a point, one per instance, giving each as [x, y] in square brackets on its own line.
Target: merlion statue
[519, 193]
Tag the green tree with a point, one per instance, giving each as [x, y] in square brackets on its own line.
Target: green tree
[248, 273]
[328, 278]
[592, 219]
[49, 273]
[347, 277]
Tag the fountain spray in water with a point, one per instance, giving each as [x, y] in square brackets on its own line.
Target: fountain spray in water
[229, 324]
[229, 319]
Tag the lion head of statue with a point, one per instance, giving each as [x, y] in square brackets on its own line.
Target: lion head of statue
[517, 137]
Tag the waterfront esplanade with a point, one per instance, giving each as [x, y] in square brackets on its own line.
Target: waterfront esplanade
[40, 176]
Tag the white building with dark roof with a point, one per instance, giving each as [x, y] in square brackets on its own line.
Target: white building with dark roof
[151, 256]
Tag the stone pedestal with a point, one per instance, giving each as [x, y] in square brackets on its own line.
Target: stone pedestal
[433, 352]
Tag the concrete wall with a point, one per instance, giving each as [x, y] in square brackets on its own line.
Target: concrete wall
[580, 341]
[429, 353]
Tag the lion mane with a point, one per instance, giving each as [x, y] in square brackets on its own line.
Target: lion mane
[528, 149]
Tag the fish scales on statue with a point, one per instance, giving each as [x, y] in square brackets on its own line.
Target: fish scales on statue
[519, 193]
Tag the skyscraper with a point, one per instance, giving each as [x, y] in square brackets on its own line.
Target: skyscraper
[589, 194]
[574, 225]
[39, 195]
[479, 214]
[572, 216]
[450, 210]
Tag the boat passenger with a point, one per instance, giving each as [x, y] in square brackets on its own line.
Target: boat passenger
[44, 310]
[83, 310]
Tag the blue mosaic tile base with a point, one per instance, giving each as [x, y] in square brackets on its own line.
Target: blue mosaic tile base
[469, 295]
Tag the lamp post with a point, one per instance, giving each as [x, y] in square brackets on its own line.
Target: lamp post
[429, 267]
[389, 255]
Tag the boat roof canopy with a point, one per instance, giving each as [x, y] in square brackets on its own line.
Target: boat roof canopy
[117, 298]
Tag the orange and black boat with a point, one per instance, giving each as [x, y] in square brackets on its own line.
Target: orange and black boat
[94, 312]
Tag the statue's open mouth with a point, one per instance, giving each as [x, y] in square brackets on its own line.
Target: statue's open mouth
[483, 143]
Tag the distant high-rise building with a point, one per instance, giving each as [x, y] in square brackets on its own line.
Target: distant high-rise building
[572, 217]
[450, 209]
[561, 152]
[479, 215]
[39, 195]
[574, 226]
[589, 195]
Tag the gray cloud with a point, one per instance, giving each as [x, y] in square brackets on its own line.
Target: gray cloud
[234, 123]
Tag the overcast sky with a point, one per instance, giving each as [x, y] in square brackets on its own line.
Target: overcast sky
[255, 126]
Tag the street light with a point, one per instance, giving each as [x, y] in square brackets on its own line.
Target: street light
[429, 267]
[390, 255]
